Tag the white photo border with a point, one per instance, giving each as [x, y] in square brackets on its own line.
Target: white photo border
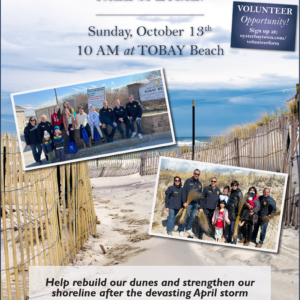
[212, 242]
[94, 156]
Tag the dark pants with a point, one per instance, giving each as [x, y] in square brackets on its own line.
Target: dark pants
[71, 133]
[138, 124]
[209, 214]
[114, 128]
[61, 153]
[246, 231]
[36, 151]
[171, 219]
[263, 229]
[127, 124]
[230, 232]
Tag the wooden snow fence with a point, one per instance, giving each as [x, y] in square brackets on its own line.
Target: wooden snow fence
[119, 165]
[47, 216]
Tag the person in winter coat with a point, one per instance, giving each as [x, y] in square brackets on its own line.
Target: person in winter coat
[232, 206]
[135, 112]
[173, 202]
[267, 208]
[82, 120]
[32, 141]
[209, 201]
[94, 123]
[190, 184]
[219, 220]
[57, 118]
[107, 117]
[122, 118]
[246, 219]
[58, 140]
[42, 127]
[69, 124]
[256, 209]
[48, 147]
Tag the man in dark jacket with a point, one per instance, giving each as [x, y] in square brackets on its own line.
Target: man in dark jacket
[173, 202]
[32, 141]
[232, 206]
[135, 112]
[190, 184]
[121, 118]
[42, 127]
[209, 201]
[107, 117]
[267, 208]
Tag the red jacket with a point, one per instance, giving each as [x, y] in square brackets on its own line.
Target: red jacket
[55, 121]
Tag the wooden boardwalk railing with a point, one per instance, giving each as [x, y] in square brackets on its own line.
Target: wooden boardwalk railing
[47, 215]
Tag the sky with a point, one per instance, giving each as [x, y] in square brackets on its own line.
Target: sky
[181, 165]
[40, 50]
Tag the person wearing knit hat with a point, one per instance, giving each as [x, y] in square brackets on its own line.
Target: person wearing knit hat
[47, 146]
[59, 140]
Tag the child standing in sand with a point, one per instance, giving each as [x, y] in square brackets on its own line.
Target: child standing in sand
[48, 146]
[58, 139]
[220, 218]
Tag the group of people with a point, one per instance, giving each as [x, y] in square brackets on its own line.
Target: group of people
[220, 209]
[47, 136]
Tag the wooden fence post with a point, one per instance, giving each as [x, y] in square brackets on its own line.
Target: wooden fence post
[143, 163]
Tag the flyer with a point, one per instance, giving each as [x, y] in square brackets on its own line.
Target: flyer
[150, 149]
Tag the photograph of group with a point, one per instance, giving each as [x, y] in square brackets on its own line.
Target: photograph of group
[218, 204]
[93, 119]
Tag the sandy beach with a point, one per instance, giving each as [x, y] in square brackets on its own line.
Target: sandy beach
[124, 204]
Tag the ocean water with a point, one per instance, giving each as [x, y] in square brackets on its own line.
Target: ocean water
[187, 141]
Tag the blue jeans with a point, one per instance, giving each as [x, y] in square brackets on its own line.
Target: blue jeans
[263, 229]
[38, 148]
[230, 232]
[209, 213]
[138, 124]
[191, 210]
[171, 219]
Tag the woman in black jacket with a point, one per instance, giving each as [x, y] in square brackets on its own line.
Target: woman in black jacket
[42, 127]
[32, 140]
[173, 202]
[232, 206]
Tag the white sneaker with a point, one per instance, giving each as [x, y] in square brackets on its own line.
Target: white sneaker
[140, 136]
[181, 233]
[190, 232]
[133, 134]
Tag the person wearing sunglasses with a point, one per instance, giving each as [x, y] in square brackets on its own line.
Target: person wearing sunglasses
[232, 206]
[209, 202]
[173, 202]
[190, 184]
[32, 140]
